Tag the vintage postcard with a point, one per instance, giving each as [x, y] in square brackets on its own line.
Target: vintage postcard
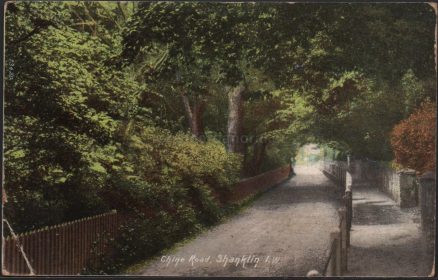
[276, 139]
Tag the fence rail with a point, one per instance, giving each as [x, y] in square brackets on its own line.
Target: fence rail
[63, 249]
[336, 171]
[337, 257]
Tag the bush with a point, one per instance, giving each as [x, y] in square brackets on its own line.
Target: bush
[199, 171]
[172, 193]
[141, 237]
[413, 139]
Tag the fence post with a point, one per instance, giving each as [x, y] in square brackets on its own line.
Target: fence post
[427, 190]
[338, 258]
[334, 266]
[344, 173]
[340, 175]
[343, 241]
[349, 208]
[349, 198]
[408, 188]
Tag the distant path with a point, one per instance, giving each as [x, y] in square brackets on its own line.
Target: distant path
[290, 223]
[386, 240]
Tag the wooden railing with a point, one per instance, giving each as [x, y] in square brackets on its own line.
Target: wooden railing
[336, 171]
[63, 249]
[337, 257]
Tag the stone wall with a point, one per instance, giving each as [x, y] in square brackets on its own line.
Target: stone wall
[401, 186]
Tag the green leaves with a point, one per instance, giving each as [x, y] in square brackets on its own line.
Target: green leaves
[94, 96]
[15, 154]
[64, 108]
[96, 166]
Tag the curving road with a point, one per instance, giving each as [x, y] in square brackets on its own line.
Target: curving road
[283, 233]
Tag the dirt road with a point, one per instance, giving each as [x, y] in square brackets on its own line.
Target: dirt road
[283, 233]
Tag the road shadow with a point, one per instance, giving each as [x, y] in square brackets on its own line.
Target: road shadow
[370, 213]
[410, 257]
[294, 191]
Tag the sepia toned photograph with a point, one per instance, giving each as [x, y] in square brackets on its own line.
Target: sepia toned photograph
[219, 139]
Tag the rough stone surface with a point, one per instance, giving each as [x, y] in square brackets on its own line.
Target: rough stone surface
[401, 185]
[287, 229]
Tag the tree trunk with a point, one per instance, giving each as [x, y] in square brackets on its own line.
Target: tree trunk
[194, 116]
[235, 118]
[259, 154]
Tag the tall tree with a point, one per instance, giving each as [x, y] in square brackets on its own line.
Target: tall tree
[62, 114]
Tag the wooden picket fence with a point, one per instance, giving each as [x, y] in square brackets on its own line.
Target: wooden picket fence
[63, 249]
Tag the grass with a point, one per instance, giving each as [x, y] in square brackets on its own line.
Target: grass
[136, 268]
[229, 210]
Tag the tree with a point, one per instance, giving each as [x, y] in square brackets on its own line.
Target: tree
[178, 35]
[87, 80]
[413, 139]
[205, 44]
[64, 106]
[344, 68]
[79, 130]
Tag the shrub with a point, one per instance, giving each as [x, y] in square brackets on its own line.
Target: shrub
[172, 193]
[413, 139]
[194, 171]
[141, 237]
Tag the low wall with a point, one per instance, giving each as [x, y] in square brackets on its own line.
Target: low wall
[256, 184]
[401, 186]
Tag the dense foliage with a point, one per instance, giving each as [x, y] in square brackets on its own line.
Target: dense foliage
[74, 124]
[157, 108]
[63, 108]
[414, 139]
